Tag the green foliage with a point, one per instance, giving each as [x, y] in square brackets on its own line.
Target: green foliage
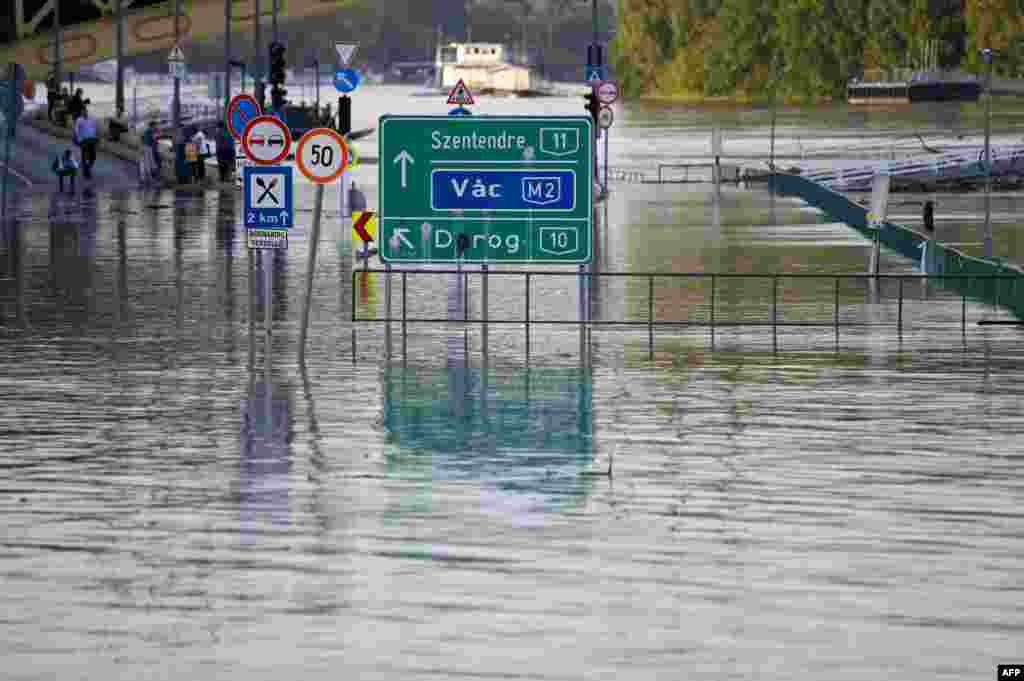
[804, 49]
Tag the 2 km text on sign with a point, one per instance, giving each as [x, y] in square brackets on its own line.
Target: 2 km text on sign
[510, 189]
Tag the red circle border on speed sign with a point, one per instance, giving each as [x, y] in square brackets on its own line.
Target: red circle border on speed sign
[285, 146]
[309, 137]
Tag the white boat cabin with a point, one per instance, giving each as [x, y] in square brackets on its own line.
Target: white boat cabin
[482, 66]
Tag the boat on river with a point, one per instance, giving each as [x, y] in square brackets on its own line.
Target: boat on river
[486, 68]
[915, 86]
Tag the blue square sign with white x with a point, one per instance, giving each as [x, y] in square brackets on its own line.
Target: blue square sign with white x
[267, 197]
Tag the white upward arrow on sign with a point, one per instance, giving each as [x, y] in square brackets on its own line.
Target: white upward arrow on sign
[345, 52]
[404, 157]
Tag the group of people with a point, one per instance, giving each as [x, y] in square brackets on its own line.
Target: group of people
[84, 135]
[60, 103]
[222, 147]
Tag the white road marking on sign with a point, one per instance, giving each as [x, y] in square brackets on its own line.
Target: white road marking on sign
[400, 235]
[404, 158]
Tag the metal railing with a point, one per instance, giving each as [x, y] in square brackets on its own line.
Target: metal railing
[951, 165]
[986, 288]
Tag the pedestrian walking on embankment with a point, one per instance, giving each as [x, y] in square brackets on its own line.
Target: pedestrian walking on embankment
[149, 162]
[86, 138]
[200, 143]
[76, 105]
[52, 96]
[225, 152]
[65, 166]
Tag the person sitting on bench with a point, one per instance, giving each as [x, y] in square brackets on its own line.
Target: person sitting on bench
[66, 166]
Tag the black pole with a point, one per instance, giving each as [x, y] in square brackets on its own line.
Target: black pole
[227, 54]
[119, 54]
[257, 75]
[57, 46]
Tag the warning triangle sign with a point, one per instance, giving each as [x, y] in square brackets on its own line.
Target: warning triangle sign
[460, 94]
[176, 54]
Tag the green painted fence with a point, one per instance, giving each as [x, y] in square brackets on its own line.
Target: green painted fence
[938, 259]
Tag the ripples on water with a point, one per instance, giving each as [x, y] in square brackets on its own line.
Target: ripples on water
[176, 505]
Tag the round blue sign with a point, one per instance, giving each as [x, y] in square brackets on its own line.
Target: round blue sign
[346, 80]
[243, 108]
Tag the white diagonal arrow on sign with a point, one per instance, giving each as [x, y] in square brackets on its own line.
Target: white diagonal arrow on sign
[400, 234]
[404, 158]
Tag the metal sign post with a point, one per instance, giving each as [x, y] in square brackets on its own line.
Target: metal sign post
[876, 217]
[322, 157]
[513, 189]
[9, 118]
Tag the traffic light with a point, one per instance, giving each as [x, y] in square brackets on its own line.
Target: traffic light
[344, 114]
[592, 106]
[277, 75]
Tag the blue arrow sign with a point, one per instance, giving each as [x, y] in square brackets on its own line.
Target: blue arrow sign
[268, 203]
[346, 80]
[243, 111]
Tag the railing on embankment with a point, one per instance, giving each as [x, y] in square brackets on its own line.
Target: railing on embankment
[937, 259]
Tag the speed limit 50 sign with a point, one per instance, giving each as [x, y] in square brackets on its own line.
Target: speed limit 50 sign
[322, 155]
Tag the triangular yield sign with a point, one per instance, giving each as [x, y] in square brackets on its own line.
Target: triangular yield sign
[460, 94]
[345, 52]
[176, 54]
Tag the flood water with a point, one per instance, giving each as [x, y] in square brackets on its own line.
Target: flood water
[180, 498]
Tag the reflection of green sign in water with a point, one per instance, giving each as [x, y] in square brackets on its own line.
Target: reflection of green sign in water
[527, 431]
[509, 188]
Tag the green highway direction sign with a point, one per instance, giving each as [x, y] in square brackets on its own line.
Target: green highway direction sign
[509, 189]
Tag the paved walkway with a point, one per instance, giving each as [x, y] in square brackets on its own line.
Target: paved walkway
[32, 157]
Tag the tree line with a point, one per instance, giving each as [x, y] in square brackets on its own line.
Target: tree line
[804, 49]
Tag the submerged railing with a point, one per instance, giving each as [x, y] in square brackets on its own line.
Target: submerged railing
[994, 289]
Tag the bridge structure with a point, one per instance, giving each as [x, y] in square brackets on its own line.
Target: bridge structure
[408, 69]
[87, 29]
[957, 165]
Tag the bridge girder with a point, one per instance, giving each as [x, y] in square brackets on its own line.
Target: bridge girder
[146, 28]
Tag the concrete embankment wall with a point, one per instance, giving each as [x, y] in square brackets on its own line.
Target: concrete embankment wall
[938, 259]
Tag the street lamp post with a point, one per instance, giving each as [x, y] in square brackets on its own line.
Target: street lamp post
[987, 56]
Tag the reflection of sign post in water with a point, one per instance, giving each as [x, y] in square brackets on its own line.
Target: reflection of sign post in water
[876, 216]
[264, 471]
[518, 188]
[531, 431]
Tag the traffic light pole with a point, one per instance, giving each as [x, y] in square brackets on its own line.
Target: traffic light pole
[227, 54]
[178, 139]
[119, 56]
[58, 50]
[344, 128]
[258, 58]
